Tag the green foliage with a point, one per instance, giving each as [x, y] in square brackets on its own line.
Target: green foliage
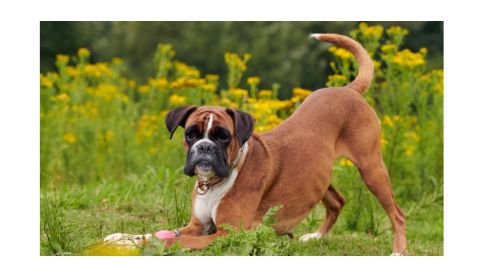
[57, 235]
[275, 46]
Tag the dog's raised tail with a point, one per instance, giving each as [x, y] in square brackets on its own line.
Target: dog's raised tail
[365, 69]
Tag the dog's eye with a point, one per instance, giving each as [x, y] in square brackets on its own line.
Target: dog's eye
[191, 134]
[221, 134]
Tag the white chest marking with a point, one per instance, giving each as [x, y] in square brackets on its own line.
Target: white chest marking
[205, 206]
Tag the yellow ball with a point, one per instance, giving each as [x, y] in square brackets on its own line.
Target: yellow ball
[109, 249]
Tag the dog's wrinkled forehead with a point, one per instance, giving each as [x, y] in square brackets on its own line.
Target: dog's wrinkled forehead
[209, 117]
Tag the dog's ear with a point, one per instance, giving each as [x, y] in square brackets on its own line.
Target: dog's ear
[243, 124]
[178, 117]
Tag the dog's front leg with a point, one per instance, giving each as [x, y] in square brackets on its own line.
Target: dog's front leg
[193, 242]
[194, 228]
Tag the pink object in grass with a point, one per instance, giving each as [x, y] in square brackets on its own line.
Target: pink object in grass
[164, 234]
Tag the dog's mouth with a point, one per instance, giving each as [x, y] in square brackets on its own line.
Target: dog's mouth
[206, 168]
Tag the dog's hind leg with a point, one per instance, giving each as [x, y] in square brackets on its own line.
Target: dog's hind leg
[361, 143]
[333, 202]
[375, 176]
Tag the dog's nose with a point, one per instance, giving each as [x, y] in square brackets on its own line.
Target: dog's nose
[204, 147]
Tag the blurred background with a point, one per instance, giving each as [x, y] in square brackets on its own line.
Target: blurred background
[280, 50]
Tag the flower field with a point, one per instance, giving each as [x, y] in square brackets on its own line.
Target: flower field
[107, 164]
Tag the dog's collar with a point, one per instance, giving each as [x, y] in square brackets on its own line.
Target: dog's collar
[239, 157]
[203, 186]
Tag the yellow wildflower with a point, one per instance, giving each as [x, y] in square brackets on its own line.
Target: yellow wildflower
[159, 83]
[163, 114]
[383, 143]
[265, 93]
[88, 109]
[62, 97]
[274, 120]
[97, 70]
[341, 53]
[434, 79]
[147, 127]
[209, 87]
[143, 89]
[166, 49]
[408, 59]
[233, 59]
[345, 162]
[409, 149]
[132, 83]
[389, 48]
[412, 135]
[117, 61]
[107, 92]
[211, 77]
[70, 138]
[176, 100]
[374, 31]
[387, 120]
[376, 65]
[72, 71]
[62, 58]
[45, 81]
[295, 99]
[253, 80]
[228, 103]
[238, 92]
[186, 70]
[109, 135]
[153, 150]
[301, 93]
[83, 53]
[397, 31]
[186, 82]
[337, 80]
[278, 104]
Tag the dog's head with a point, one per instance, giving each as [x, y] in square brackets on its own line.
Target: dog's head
[213, 137]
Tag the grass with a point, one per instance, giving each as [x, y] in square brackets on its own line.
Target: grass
[76, 217]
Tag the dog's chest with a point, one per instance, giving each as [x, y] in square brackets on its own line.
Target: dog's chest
[205, 206]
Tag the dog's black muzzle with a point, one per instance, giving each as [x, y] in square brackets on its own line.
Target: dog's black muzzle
[206, 158]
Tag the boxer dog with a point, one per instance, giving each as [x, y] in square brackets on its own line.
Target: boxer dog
[241, 174]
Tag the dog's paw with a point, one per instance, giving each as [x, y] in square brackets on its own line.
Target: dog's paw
[399, 254]
[308, 236]
[127, 239]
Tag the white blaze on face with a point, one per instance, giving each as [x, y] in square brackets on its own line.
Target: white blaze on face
[205, 133]
[209, 126]
[199, 171]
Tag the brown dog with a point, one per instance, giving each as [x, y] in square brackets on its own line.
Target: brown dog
[241, 174]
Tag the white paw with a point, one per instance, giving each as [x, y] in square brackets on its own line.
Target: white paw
[308, 236]
[399, 254]
[127, 239]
